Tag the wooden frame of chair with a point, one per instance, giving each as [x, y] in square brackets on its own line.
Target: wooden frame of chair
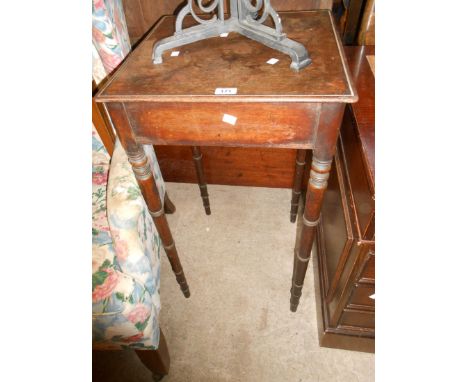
[157, 361]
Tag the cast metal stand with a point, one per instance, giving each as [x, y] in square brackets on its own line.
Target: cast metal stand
[244, 19]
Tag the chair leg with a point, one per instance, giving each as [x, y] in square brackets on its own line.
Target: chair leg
[296, 191]
[157, 361]
[169, 207]
[197, 158]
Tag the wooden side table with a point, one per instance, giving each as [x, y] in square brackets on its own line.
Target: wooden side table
[176, 104]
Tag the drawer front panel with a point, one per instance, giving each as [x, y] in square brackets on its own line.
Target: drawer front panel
[227, 124]
[360, 296]
[358, 319]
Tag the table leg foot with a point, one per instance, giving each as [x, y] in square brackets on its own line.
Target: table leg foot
[169, 207]
[197, 159]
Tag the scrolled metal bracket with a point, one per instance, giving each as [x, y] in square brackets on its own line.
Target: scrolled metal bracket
[244, 19]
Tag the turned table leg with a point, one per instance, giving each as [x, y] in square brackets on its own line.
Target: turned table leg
[142, 170]
[328, 129]
[296, 191]
[144, 176]
[319, 173]
[197, 159]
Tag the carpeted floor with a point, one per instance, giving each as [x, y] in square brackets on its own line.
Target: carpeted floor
[237, 326]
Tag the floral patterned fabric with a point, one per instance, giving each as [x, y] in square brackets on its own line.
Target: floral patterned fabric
[99, 73]
[101, 158]
[126, 255]
[110, 36]
[126, 245]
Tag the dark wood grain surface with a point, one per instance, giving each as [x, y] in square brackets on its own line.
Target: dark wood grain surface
[257, 124]
[237, 62]
[236, 166]
[364, 110]
[273, 168]
[103, 127]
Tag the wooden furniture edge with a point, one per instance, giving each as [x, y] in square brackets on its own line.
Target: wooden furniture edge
[346, 98]
[326, 336]
[103, 126]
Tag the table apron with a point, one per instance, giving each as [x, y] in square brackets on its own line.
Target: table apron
[225, 124]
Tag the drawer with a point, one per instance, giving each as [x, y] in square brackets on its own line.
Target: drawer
[360, 296]
[248, 124]
[357, 319]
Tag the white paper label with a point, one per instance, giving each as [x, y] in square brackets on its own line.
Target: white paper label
[225, 91]
[229, 119]
[175, 53]
[272, 61]
[225, 34]
[372, 296]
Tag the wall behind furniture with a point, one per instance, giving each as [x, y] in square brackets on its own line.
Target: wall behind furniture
[142, 14]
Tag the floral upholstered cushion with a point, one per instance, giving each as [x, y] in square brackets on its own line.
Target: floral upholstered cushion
[136, 240]
[124, 314]
[126, 257]
[101, 230]
[110, 35]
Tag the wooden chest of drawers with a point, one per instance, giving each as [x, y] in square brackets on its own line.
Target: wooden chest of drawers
[345, 261]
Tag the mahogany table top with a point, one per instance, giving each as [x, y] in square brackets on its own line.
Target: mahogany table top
[237, 62]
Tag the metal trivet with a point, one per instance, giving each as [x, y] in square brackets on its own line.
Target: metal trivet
[244, 19]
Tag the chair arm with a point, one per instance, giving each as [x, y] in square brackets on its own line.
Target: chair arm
[124, 314]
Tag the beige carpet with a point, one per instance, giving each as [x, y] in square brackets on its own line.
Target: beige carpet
[237, 326]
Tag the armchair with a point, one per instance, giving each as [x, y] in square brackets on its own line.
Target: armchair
[126, 259]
